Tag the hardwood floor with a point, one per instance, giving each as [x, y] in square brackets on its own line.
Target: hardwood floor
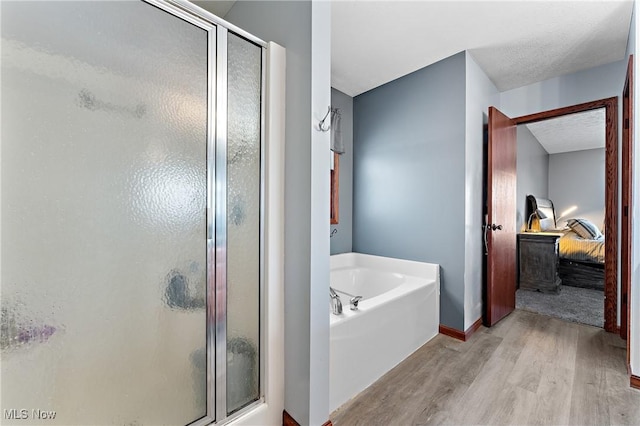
[528, 369]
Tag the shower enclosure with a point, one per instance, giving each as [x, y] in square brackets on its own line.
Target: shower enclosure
[131, 214]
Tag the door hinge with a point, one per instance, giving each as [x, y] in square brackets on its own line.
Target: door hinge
[624, 299]
[626, 123]
[625, 211]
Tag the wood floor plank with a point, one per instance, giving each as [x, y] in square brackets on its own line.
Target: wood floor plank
[501, 329]
[532, 361]
[553, 396]
[515, 333]
[579, 374]
[624, 408]
[491, 383]
[588, 407]
[454, 381]
[449, 385]
[478, 400]
[516, 405]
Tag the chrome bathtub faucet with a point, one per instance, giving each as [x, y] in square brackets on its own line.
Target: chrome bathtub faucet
[353, 302]
[336, 304]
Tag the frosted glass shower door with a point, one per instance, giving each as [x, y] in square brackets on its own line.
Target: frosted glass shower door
[244, 153]
[103, 214]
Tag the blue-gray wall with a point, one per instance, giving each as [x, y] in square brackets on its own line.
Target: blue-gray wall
[577, 179]
[409, 174]
[532, 172]
[341, 241]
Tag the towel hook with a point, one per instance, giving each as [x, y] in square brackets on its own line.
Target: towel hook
[321, 124]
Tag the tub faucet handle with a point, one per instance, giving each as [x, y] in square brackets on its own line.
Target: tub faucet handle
[354, 302]
[336, 304]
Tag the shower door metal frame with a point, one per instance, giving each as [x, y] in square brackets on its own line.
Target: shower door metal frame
[217, 62]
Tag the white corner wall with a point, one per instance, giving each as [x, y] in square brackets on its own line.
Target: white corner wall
[480, 94]
[635, 254]
[320, 228]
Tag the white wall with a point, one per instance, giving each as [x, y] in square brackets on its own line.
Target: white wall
[578, 179]
[635, 254]
[479, 95]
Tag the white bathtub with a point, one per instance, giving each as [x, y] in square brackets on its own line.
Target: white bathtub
[399, 313]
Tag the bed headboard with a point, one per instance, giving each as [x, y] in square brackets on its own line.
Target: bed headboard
[546, 207]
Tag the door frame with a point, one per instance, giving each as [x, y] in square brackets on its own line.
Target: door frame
[626, 205]
[611, 195]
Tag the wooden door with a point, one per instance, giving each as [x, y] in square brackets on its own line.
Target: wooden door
[500, 225]
[625, 232]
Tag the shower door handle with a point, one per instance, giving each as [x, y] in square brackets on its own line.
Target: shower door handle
[209, 224]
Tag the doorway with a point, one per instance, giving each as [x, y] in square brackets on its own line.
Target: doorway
[561, 170]
[505, 127]
[610, 106]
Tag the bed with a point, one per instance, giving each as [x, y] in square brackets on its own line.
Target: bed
[581, 256]
[581, 261]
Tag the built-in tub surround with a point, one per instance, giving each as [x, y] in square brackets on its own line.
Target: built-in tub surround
[399, 312]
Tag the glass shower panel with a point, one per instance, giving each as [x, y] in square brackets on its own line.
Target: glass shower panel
[103, 197]
[243, 222]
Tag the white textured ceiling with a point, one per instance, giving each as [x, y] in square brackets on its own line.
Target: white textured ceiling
[218, 7]
[515, 42]
[574, 132]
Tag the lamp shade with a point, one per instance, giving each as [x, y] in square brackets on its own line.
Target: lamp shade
[540, 215]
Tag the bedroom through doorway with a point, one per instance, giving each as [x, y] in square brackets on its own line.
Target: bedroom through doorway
[565, 196]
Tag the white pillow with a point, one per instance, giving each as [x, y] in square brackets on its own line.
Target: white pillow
[584, 228]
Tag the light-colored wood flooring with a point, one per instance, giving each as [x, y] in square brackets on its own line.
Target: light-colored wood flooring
[528, 369]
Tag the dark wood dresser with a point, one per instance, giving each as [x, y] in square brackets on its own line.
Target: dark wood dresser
[538, 260]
